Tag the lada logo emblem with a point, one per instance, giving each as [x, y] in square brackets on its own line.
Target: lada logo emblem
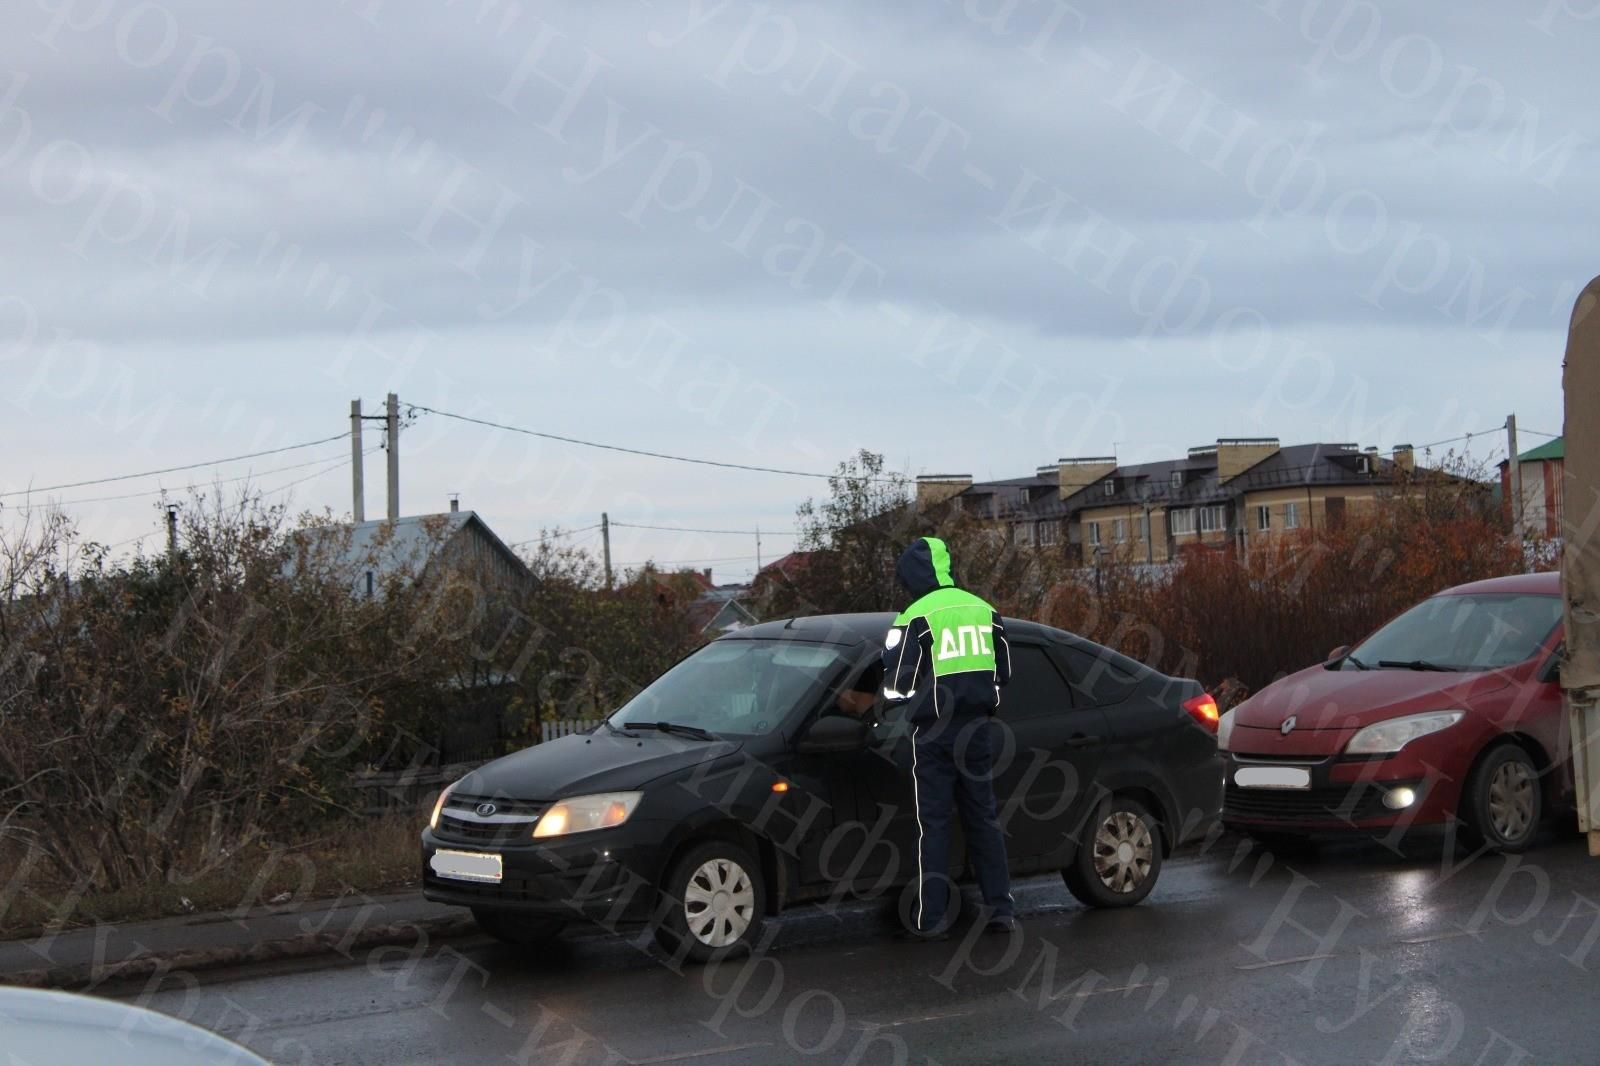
[486, 810]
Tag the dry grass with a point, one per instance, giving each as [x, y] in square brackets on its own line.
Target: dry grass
[370, 856]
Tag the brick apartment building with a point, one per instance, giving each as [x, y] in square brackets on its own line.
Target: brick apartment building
[1543, 472]
[1237, 492]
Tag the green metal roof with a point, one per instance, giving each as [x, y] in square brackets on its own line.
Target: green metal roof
[1553, 449]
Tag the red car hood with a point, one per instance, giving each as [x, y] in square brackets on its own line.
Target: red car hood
[1330, 705]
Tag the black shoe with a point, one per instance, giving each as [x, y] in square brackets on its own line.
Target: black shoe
[1002, 925]
[916, 935]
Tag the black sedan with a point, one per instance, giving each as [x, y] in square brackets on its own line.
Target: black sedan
[762, 771]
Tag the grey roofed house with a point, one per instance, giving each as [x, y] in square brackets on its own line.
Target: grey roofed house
[1290, 467]
[1238, 491]
[721, 610]
[378, 550]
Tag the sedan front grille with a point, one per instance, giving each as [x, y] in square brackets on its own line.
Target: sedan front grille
[1352, 803]
[502, 805]
[509, 822]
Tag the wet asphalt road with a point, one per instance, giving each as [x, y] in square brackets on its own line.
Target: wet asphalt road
[1349, 954]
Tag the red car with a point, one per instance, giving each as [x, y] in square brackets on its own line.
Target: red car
[1452, 710]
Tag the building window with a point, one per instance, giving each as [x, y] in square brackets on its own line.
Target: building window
[1263, 518]
[1213, 519]
[1119, 530]
[1094, 533]
[1177, 479]
[1291, 516]
[1049, 533]
[1111, 486]
[1144, 527]
[1183, 521]
[1023, 534]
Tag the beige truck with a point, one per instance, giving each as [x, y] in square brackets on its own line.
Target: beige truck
[1580, 560]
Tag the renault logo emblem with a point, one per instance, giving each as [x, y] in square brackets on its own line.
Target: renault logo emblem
[486, 810]
[1286, 728]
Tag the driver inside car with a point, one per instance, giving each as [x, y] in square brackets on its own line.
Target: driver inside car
[859, 699]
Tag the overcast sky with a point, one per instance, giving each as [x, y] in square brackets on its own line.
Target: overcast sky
[972, 236]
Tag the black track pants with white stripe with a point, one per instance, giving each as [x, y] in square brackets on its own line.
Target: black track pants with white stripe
[954, 773]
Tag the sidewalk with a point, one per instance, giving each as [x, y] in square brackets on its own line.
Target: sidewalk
[84, 958]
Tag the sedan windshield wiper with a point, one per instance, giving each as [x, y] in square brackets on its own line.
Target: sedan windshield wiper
[1415, 664]
[1359, 664]
[618, 730]
[674, 727]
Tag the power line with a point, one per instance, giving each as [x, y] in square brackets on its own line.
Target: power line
[1539, 433]
[343, 461]
[175, 469]
[676, 562]
[1465, 436]
[131, 540]
[229, 481]
[320, 473]
[687, 529]
[640, 451]
[555, 536]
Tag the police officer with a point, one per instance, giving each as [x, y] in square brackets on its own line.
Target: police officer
[947, 657]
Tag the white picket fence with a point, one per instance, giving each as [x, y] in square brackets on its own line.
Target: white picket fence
[566, 727]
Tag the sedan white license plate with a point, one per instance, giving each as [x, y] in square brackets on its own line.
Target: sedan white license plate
[467, 866]
[1272, 777]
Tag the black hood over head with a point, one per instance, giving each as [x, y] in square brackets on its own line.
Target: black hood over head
[925, 566]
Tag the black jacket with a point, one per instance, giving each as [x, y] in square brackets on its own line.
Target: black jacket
[908, 655]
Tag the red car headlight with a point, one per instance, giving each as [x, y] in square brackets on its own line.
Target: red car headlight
[1387, 738]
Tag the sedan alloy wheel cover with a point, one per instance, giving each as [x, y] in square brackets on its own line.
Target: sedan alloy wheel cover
[1124, 852]
[1512, 800]
[719, 903]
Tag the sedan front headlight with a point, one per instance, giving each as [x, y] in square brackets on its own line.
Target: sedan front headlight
[433, 822]
[1225, 729]
[1386, 738]
[583, 813]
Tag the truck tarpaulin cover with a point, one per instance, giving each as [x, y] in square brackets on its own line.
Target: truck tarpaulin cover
[1580, 564]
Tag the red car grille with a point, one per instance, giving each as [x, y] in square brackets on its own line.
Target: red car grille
[1341, 804]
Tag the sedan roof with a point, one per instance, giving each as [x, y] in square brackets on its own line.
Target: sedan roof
[856, 629]
[1544, 584]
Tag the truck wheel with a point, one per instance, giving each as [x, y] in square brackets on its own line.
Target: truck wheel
[1503, 801]
[712, 902]
[518, 930]
[1119, 859]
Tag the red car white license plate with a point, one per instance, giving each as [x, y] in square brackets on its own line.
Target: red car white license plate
[1272, 777]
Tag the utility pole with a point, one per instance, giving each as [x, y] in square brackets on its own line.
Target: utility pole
[1517, 523]
[605, 539]
[358, 510]
[172, 533]
[393, 419]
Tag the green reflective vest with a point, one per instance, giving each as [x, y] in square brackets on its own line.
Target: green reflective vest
[962, 628]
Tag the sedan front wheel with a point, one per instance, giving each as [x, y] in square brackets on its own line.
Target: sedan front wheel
[1503, 801]
[713, 905]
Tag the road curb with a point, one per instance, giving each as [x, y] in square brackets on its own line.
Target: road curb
[307, 945]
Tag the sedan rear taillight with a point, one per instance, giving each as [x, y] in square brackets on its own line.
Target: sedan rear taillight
[1203, 709]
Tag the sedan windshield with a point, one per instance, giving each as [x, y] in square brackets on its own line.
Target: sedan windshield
[1474, 632]
[737, 686]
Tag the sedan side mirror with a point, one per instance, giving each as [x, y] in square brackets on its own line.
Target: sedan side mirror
[1338, 653]
[833, 734]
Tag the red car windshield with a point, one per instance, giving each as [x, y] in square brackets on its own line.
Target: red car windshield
[1471, 632]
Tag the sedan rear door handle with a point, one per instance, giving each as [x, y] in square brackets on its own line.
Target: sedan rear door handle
[1081, 740]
